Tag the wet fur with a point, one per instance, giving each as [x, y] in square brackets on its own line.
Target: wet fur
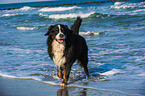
[57, 50]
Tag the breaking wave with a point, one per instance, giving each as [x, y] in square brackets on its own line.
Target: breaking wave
[25, 8]
[74, 15]
[71, 15]
[58, 9]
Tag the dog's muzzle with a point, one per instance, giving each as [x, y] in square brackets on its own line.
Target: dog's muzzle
[60, 41]
[60, 38]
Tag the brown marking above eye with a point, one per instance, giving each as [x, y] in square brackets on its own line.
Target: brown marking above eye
[61, 28]
[57, 29]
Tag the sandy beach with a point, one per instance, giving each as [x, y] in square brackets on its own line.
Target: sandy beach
[21, 87]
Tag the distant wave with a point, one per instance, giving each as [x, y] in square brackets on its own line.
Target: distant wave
[58, 9]
[8, 15]
[26, 28]
[120, 5]
[124, 5]
[71, 15]
[25, 8]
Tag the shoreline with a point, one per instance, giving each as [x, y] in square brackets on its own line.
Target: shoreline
[24, 87]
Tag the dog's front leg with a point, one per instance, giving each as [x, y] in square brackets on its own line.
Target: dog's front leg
[60, 73]
[66, 75]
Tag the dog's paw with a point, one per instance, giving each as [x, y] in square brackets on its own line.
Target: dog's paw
[63, 85]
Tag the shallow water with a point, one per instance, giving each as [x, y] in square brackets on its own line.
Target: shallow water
[114, 33]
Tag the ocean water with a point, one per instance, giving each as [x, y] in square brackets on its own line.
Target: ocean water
[115, 37]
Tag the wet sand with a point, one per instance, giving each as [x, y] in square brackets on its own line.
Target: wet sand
[22, 87]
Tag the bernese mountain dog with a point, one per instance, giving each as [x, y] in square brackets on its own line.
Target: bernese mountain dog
[65, 46]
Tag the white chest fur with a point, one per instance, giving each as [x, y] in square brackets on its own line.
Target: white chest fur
[58, 50]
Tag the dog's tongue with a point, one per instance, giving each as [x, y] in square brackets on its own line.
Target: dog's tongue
[60, 41]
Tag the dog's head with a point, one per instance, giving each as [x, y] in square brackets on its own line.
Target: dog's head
[58, 32]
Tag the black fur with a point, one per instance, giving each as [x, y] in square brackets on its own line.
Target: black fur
[75, 27]
[75, 48]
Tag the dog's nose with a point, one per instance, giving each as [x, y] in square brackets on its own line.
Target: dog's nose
[61, 35]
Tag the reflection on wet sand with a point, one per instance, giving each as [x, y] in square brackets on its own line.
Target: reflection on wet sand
[65, 92]
[62, 92]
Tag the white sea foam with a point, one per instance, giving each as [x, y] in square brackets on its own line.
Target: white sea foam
[142, 74]
[140, 10]
[56, 77]
[120, 7]
[51, 83]
[88, 33]
[69, 85]
[43, 15]
[71, 15]
[26, 28]
[112, 72]
[7, 15]
[79, 86]
[47, 9]
[8, 76]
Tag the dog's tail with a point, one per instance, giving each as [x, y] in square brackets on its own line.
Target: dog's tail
[75, 27]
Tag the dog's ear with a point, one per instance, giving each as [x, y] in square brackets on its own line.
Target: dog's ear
[49, 30]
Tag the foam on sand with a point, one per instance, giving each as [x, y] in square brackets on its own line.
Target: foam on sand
[14, 77]
[39, 80]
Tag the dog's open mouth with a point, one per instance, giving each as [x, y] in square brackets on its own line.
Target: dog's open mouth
[59, 40]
